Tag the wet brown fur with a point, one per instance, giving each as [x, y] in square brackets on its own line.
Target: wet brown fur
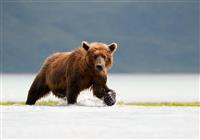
[66, 74]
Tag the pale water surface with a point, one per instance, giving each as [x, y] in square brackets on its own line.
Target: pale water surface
[119, 121]
[46, 122]
[129, 87]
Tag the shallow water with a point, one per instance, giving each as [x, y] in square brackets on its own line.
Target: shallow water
[79, 121]
[129, 87]
[99, 122]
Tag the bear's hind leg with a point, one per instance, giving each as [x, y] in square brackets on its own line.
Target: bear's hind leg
[72, 95]
[73, 88]
[38, 89]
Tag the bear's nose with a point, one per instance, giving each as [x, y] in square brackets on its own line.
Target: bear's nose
[99, 67]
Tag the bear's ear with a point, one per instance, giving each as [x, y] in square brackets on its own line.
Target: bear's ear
[112, 47]
[85, 45]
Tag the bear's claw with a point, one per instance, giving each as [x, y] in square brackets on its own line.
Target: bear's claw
[110, 98]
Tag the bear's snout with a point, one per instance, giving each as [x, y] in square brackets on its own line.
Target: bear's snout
[100, 63]
[99, 67]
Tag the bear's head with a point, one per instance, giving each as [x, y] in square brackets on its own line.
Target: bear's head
[99, 55]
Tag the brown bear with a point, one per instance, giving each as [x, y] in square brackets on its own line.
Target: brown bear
[66, 74]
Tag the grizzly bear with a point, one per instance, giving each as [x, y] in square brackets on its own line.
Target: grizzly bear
[66, 74]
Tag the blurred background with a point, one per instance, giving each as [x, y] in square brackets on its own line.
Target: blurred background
[155, 37]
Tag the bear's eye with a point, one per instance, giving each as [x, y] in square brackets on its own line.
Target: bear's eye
[104, 57]
[95, 56]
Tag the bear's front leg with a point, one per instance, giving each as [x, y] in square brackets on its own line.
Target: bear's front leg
[110, 96]
[105, 94]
